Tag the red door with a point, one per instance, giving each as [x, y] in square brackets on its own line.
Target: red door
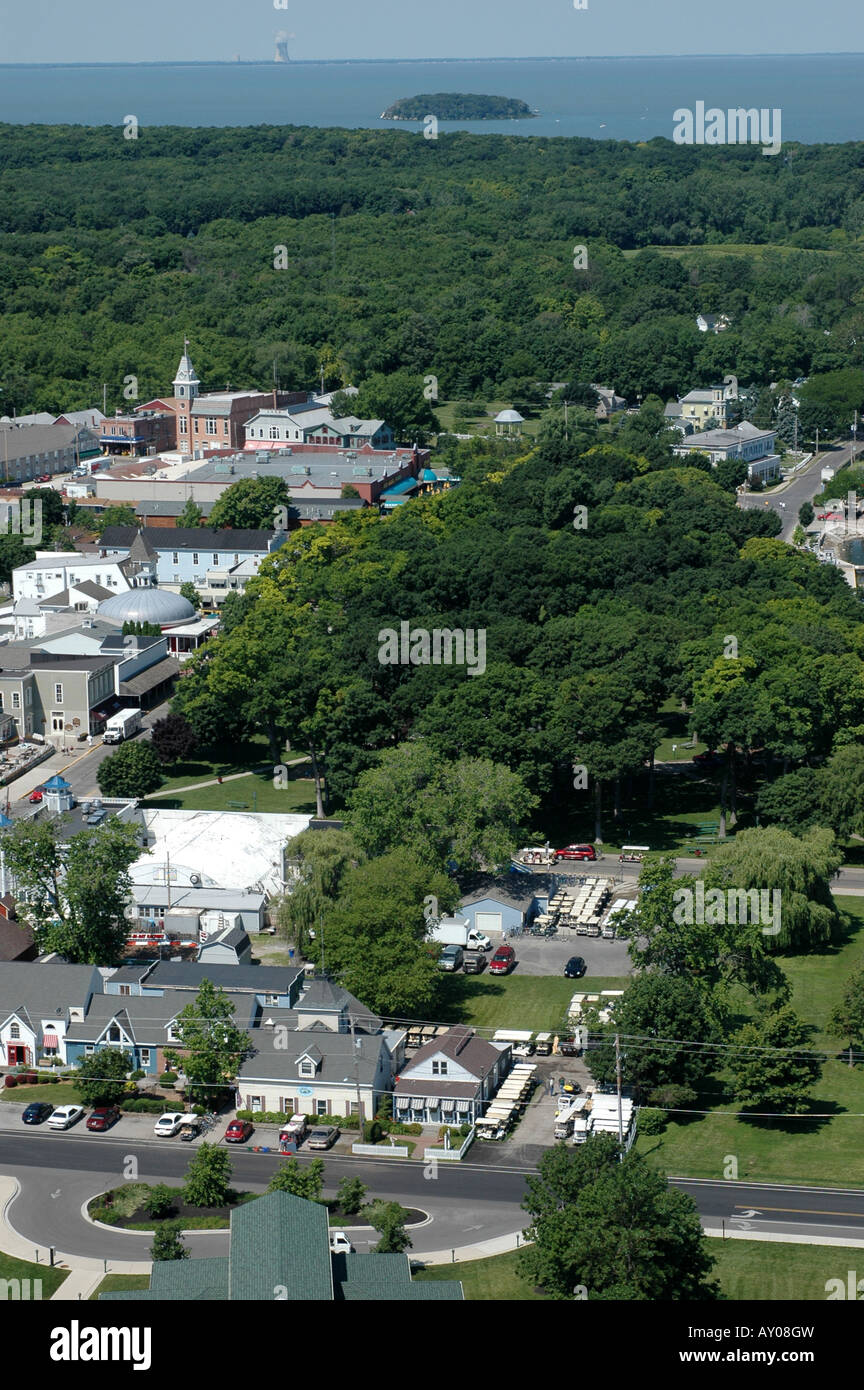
[17, 1055]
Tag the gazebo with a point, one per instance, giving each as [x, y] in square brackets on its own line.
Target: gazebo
[509, 422]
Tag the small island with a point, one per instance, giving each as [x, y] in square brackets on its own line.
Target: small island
[458, 106]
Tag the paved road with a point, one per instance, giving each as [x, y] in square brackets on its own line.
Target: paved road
[821, 1215]
[801, 487]
[850, 879]
[468, 1202]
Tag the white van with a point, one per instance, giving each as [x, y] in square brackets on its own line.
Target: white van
[340, 1244]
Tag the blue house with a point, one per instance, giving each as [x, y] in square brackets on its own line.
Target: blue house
[499, 906]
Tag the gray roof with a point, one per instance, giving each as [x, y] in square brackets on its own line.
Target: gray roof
[257, 979]
[518, 890]
[337, 1053]
[200, 538]
[147, 606]
[167, 509]
[325, 996]
[230, 936]
[461, 1045]
[145, 1017]
[19, 441]
[45, 989]
[156, 894]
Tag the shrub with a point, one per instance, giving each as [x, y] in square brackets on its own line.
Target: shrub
[105, 1215]
[652, 1121]
[10, 1081]
[167, 1078]
[159, 1200]
[137, 1075]
[372, 1132]
[673, 1097]
[142, 1105]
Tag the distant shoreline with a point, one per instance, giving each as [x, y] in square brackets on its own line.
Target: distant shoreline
[392, 62]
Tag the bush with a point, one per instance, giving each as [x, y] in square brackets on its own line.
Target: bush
[159, 1200]
[673, 1097]
[142, 1105]
[10, 1080]
[137, 1075]
[105, 1215]
[372, 1132]
[167, 1078]
[652, 1121]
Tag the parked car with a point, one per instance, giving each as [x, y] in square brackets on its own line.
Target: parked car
[66, 1116]
[569, 1046]
[575, 968]
[239, 1131]
[503, 961]
[44, 478]
[707, 759]
[322, 1138]
[36, 795]
[474, 963]
[576, 852]
[169, 1123]
[451, 958]
[340, 1244]
[36, 1112]
[103, 1117]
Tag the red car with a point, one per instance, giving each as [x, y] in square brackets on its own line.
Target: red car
[36, 795]
[239, 1131]
[103, 1117]
[576, 852]
[44, 478]
[503, 961]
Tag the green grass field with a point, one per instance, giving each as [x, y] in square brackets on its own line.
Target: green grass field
[762, 1271]
[825, 1152]
[62, 1094]
[117, 1283]
[252, 792]
[22, 1269]
[538, 1002]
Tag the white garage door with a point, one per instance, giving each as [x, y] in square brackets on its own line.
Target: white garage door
[488, 921]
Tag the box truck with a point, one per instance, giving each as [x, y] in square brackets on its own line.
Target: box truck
[458, 931]
[122, 725]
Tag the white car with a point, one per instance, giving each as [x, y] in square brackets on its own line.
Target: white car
[168, 1124]
[65, 1117]
[340, 1244]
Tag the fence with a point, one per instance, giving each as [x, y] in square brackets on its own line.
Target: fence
[453, 1155]
[381, 1150]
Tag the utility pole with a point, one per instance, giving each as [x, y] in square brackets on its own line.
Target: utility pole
[817, 439]
[357, 1045]
[566, 429]
[618, 1084]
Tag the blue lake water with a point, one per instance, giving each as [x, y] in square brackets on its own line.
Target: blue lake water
[613, 98]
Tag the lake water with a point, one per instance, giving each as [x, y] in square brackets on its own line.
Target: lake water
[613, 98]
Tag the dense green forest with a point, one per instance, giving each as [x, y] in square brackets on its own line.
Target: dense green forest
[452, 256]
[458, 106]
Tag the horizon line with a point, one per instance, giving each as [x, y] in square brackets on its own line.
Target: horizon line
[298, 62]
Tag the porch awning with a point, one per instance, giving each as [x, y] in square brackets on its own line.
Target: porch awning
[448, 1104]
[49, 1040]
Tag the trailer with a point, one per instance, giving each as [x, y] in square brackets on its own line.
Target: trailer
[122, 725]
[521, 1040]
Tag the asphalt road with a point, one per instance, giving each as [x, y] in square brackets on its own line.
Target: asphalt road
[801, 487]
[59, 1173]
[467, 1202]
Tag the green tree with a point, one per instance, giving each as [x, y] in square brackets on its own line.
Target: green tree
[794, 801]
[301, 1180]
[847, 1019]
[773, 1068]
[167, 1242]
[806, 514]
[213, 1045]
[662, 1007]
[469, 812]
[841, 788]
[160, 1200]
[101, 1076]
[74, 893]
[134, 771]
[208, 1177]
[614, 1227]
[252, 504]
[388, 1219]
[798, 869]
[191, 515]
[115, 516]
[398, 400]
[14, 551]
[350, 1195]
[190, 593]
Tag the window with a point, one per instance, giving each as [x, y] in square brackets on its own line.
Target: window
[196, 426]
[439, 1068]
[194, 557]
[175, 559]
[212, 424]
[145, 1056]
[88, 1048]
[287, 1105]
[1, 699]
[58, 694]
[215, 559]
[184, 425]
[224, 426]
[271, 1000]
[125, 989]
[28, 696]
[274, 431]
[321, 1107]
[307, 1068]
[14, 1031]
[16, 700]
[114, 1034]
[257, 1104]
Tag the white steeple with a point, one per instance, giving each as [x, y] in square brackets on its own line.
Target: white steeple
[186, 382]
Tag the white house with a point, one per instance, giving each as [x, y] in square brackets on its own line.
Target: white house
[450, 1079]
[39, 1002]
[54, 571]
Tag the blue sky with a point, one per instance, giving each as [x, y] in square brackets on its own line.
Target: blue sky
[148, 30]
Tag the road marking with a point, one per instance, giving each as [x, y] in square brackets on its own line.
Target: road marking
[801, 1211]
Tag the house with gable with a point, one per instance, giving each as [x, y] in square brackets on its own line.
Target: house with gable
[142, 1025]
[450, 1079]
[40, 1002]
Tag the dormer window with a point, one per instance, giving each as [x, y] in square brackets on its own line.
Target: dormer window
[439, 1068]
[307, 1068]
[114, 1035]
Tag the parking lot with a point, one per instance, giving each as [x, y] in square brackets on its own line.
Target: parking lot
[539, 955]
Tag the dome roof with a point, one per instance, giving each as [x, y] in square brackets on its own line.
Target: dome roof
[147, 606]
[509, 417]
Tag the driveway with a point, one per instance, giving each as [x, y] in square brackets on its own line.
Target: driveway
[538, 955]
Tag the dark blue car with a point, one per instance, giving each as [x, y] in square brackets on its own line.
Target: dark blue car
[36, 1112]
[575, 968]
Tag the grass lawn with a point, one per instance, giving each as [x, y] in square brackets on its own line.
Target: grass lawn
[23, 1269]
[220, 760]
[255, 791]
[538, 1002]
[120, 1283]
[825, 1152]
[65, 1093]
[764, 1271]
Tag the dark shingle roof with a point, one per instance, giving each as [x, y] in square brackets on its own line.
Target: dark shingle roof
[258, 979]
[186, 538]
[280, 1242]
[461, 1045]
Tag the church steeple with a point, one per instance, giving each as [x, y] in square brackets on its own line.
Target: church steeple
[186, 383]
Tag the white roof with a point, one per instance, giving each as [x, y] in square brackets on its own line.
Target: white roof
[509, 417]
[240, 850]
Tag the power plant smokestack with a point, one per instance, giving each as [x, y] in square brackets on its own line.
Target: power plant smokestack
[281, 54]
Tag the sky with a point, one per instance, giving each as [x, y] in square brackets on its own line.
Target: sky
[78, 31]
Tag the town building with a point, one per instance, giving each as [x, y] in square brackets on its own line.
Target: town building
[29, 451]
[141, 432]
[279, 1247]
[314, 424]
[745, 441]
[450, 1079]
[215, 562]
[39, 1001]
[609, 403]
[701, 409]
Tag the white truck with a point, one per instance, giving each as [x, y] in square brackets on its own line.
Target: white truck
[458, 931]
[122, 725]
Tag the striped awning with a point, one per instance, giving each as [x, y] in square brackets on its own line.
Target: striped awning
[50, 1040]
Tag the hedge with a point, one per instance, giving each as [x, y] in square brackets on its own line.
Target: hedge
[143, 1105]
